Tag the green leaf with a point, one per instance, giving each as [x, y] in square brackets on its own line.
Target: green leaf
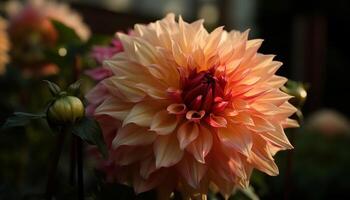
[21, 119]
[66, 34]
[73, 88]
[90, 131]
[53, 87]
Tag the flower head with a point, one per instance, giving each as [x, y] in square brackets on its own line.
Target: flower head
[185, 108]
[4, 45]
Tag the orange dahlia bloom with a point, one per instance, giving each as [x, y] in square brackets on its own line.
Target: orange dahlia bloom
[185, 109]
[4, 45]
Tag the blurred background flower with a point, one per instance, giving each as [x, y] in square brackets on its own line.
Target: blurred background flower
[33, 33]
[328, 122]
[4, 45]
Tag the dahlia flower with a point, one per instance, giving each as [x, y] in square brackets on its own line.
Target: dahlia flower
[185, 109]
[4, 45]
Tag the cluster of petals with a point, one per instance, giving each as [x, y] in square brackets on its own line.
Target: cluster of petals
[4, 45]
[185, 109]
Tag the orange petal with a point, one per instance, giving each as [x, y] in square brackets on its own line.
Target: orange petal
[192, 171]
[176, 109]
[164, 123]
[261, 124]
[132, 134]
[187, 132]
[142, 185]
[236, 137]
[290, 123]
[167, 151]
[142, 113]
[147, 167]
[126, 155]
[261, 157]
[195, 116]
[277, 138]
[216, 121]
[114, 107]
[124, 87]
[242, 118]
[201, 146]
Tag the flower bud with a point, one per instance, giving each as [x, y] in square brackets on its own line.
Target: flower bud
[298, 90]
[65, 110]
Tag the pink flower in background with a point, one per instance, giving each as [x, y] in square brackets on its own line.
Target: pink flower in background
[328, 122]
[31, 32]
[101, 53]
[4, 45]
[185, 109]
[48, 10]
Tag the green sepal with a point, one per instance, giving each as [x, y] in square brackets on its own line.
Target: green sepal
[53, 87]
[73, 89]
[90, 131]
[21, 119]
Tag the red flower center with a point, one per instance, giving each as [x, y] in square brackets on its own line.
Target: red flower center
[204, 91]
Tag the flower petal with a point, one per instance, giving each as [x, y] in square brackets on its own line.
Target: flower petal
[192, 171]
[186, 133]
[164, 123]
[261, 157]
[236, 137]
[114, 107]
[132, 134]
[167, 151]
[142, 113]
[202, 145]
[147, 167]
[216, 121]
[176, 109]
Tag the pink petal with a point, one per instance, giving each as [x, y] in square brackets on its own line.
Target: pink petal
[97, 94]
[99, 73]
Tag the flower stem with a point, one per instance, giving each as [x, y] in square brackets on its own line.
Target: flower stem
[56, 153]
[72, 167]
[79, 145]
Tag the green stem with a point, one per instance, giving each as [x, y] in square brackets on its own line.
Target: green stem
[56, 153]
[80, 168]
